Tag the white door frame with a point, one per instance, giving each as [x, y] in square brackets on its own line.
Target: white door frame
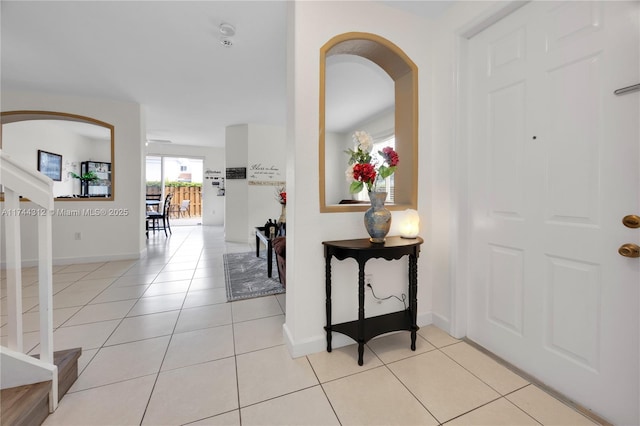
[460, 241]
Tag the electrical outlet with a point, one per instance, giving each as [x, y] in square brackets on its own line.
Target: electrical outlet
[78, 236]
[368, 279]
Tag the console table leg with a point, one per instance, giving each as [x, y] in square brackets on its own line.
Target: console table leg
[257, 244]
[360, 312]
[413, 297]
[269, 259]
[327, 275]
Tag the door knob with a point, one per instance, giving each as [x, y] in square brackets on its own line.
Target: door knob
[631, 221]
[629, 250]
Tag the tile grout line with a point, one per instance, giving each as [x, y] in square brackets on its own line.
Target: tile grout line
[166, 351]
[102, 346]
[533, 381]
[405, 385]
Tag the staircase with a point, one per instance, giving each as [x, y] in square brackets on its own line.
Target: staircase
[30, 386]
[28, 405]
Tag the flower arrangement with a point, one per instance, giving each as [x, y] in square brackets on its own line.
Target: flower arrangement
[363, 168]
[281, 195]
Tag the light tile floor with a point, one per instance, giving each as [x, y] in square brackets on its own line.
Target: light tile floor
[161, 346]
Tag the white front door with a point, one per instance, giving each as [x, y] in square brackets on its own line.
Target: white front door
[554, 166]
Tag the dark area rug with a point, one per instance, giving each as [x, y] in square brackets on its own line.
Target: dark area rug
[246, 276]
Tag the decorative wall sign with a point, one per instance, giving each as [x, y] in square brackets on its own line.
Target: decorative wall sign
[269, 183]
[269, 174]
[236, 173]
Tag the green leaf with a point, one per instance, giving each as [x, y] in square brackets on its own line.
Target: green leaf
[356, 186]
[89, 176]
[385, 171]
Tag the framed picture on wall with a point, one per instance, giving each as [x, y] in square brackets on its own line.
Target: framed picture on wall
[50, 164]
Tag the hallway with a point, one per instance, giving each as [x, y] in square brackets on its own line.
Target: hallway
[162, 346]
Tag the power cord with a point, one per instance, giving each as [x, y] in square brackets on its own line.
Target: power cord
[403, 300]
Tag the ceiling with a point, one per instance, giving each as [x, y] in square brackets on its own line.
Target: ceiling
[164, 55]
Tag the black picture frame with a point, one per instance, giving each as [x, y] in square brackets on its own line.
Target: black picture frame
[50, 164]
[236, 173]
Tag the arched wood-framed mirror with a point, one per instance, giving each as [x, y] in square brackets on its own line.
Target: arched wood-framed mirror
[73, 144]
[403, 73]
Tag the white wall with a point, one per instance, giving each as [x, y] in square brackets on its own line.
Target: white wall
[266, 151]
[251, 202]
[237, 190]
[311, 25]
[336, 186]
[106, 236]
[212, 205]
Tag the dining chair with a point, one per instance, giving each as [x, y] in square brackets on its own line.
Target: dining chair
[153, 202]
[184, 208]
[155, 217]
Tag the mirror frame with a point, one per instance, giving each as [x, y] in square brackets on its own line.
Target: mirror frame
[404, 73]
[25, 115]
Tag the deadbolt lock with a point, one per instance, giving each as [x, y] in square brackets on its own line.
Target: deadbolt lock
[629, 250]
[631, 221]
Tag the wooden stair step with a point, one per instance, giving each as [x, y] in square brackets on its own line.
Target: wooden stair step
[28, 405]
[67, 363]
[25, 405]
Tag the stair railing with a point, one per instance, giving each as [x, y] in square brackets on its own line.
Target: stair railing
[18, 181]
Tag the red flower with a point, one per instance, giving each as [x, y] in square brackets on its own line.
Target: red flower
[364, 172]
[281, 195]
[390, 156]
[367, 169]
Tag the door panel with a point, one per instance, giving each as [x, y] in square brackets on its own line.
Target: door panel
[507, 51]
[574, 336]
[554, 165]
[574, 136]
[506, 125]
[571, 22]
[506, 273]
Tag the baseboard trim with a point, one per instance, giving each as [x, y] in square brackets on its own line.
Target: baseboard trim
[442, 323]
[424, 319]
[307, 347]
[78, 260]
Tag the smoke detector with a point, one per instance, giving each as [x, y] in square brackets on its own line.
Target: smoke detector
[227, 30]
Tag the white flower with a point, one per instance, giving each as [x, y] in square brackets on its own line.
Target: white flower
[349, 173]
[364, 140]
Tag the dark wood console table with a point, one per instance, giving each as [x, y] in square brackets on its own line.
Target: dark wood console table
[364, 329]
